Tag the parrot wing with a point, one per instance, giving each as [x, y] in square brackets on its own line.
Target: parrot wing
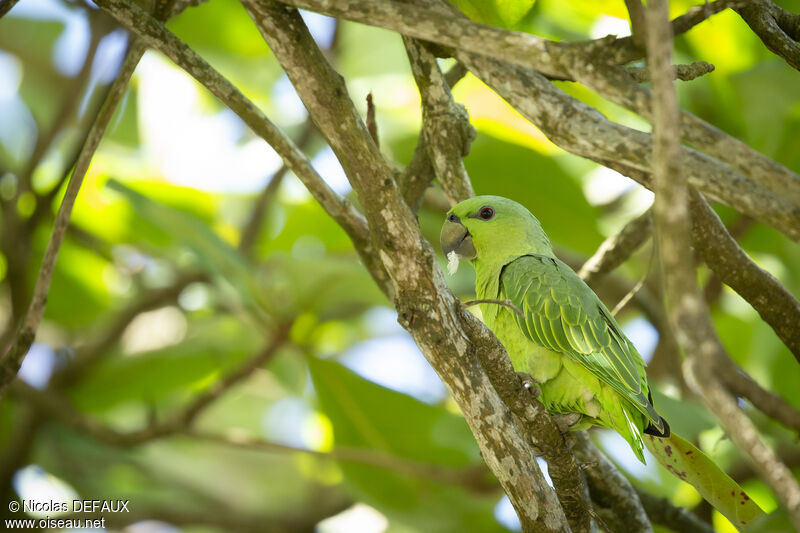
[563, 314]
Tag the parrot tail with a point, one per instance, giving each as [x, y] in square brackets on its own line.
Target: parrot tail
[652, 430]
[689, 464]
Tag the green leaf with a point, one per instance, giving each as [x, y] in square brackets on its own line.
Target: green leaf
[366, 415]
[211, 348]
[688, 463]
[211, 251]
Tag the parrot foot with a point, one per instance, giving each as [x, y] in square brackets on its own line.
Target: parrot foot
[565, 421]
[529, 384]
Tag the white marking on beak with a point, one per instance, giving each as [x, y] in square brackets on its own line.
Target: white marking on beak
[452, 262]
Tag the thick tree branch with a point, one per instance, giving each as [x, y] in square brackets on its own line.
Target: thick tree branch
[12, 359]
[425, 307]
[687, 311]
[580, 61]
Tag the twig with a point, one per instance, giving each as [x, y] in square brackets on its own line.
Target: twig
[504, 303]
[12, 359]
[475, 478]
[769, 403]
[617, 248]
[253, 226]
[679, 72]
[688, 313]
[87, 355]
[57, 407]
[710, 237]
[625, 50]
[372, 125]
[636, 15]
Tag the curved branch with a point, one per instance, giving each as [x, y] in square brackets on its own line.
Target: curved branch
[616, 249]
[777, 28]
[725, 257]
[11, 361]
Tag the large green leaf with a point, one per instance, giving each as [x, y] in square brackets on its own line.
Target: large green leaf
[211, 348]
[366, 415]
[691, 465]
[211, 251]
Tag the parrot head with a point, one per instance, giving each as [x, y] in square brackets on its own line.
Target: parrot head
[491, 229]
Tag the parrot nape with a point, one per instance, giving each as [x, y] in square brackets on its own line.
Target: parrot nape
[566, 339]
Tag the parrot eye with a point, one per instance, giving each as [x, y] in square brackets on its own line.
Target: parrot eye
[452, 217]
[486, 213]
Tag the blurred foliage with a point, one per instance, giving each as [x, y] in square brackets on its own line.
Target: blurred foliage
[140, 225]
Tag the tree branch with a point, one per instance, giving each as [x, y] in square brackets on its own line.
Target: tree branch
[57, 407]
[253, 226]
[617, 248]
[679, 72]
[608, 487]
[687, 311]
[742, 385]
[475, 478]
[445, 124]
[425, 307]
[776, 305]
[662, 512]
[416, 178]
[88, 355]
[582, 130]
[155, 35]
[12, 359]
[776, 27]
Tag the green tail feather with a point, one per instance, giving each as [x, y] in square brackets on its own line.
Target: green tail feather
[691, 465]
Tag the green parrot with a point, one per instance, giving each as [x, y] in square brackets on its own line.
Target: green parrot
[561, 334]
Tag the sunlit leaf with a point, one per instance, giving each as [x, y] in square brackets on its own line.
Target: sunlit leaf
[690, 464]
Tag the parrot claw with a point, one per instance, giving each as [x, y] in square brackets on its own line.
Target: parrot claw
[565, 421]
[529, 384]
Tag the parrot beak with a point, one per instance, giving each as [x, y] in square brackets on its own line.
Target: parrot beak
[456, 238]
